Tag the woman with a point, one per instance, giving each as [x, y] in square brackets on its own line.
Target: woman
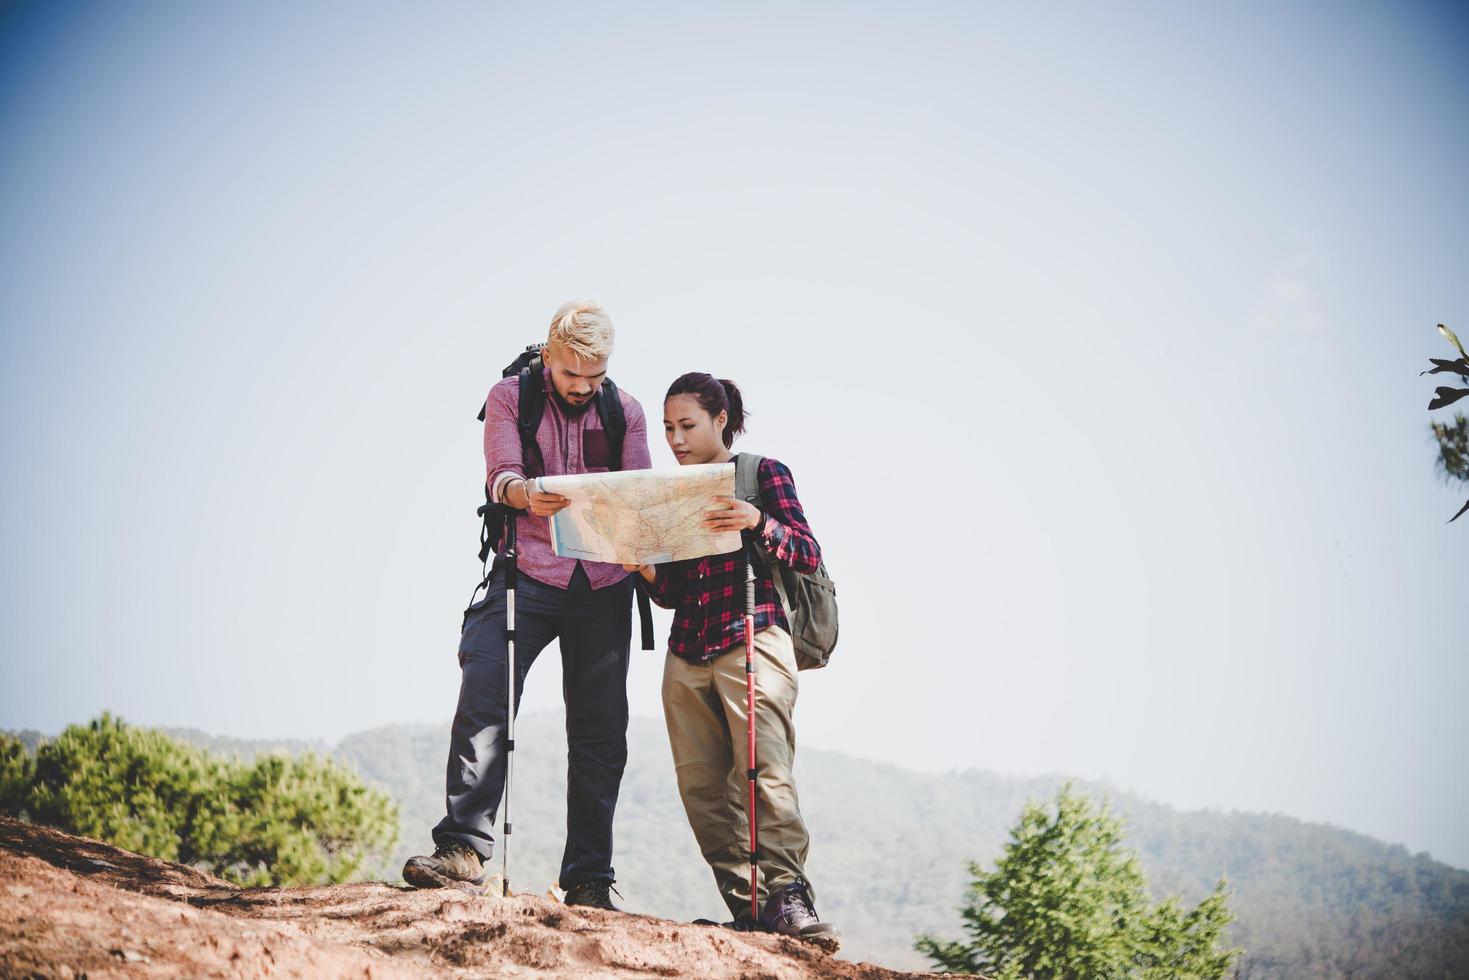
[704, 673]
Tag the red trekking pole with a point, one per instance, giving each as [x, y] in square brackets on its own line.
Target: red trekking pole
[750, 724]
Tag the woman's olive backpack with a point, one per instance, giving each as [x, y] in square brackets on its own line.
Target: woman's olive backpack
[810, 601]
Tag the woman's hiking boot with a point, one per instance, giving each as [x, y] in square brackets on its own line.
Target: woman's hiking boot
[452, 865]
[790, 912]
[594, 894]
[740, 923]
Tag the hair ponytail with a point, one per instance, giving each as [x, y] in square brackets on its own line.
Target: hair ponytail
[714, 395]
[736, 408]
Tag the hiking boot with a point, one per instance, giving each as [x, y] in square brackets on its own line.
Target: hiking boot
[594, 894]
[452, 865]
[790, 912]
[744, 923]
[740, 923]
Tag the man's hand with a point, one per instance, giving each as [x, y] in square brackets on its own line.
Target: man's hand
[544, 504]
[539, 504]
[730, 514]
[648, 572]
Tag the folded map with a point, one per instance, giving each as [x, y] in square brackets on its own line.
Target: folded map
[642, 517]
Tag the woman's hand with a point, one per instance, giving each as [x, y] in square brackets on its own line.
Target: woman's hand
[648, 572]
[731, 514]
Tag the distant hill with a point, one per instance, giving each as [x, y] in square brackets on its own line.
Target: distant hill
[889, 846]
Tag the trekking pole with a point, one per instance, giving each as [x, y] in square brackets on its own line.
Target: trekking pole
[750, 724]
[510, 570]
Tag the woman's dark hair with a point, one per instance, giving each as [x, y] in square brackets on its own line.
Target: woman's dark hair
[714, 395]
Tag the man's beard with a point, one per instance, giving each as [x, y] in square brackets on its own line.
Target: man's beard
[569, 408]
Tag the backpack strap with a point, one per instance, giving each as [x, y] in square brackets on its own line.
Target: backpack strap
[614, 423]
[747, 477]
[528, 417]
[747, 488]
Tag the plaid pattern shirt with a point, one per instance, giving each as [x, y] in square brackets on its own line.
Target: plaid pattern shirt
[708, 594]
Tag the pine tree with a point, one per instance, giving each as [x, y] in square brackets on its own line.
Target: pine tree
[17, 773]
[1067, 900]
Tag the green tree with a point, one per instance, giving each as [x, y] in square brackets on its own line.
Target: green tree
[301, 819]
[1066, 900]
[280, 820]
[1452, 437]
[133, 787]
[17, 772]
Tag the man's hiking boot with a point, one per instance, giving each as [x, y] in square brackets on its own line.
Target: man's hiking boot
[790, 912]
[452, 865]
[595, 894]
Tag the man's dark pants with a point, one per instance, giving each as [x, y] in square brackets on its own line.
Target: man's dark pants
[595, 628]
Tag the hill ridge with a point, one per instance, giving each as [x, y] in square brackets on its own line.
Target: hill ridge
[78, 907]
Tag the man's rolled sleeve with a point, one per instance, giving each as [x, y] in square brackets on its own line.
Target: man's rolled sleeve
[503, 461]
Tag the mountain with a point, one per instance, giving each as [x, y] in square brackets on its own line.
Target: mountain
[889, 848]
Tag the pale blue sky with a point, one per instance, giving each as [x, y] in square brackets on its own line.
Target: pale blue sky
[1091, 333]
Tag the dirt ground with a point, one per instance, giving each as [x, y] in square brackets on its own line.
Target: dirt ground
[72, 907]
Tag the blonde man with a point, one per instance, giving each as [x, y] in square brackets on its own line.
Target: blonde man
[586, 604]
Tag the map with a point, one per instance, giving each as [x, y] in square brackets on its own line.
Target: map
[643, 517]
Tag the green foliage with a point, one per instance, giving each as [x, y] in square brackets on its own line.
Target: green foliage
[1453, 448]
[133, 787]
[1452, 437]
[17, 772]
[276, 821]
[303, 819]
[1066, 900]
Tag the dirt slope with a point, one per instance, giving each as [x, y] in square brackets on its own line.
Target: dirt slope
[73, 907]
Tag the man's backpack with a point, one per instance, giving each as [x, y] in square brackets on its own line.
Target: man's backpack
[809, 600]
[532, 407]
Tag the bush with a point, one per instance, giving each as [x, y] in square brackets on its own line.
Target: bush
[300, 820]
[17, 772]
[277, 821]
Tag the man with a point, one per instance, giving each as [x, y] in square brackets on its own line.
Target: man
[586, 604]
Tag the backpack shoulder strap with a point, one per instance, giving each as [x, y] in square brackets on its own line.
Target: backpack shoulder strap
[614, 421]
[532, 407]
[747, 477]
[747, 488]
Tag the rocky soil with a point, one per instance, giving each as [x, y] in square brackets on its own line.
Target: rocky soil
[72, 907]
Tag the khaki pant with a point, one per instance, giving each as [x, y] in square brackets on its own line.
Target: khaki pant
[704, 705]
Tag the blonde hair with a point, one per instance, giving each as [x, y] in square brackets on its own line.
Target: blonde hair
[583, 328]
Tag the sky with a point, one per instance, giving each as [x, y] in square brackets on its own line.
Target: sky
[1090, 332]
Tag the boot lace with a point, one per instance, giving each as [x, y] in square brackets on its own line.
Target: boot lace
[800, 894]
[596, 893]
[449, 850]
